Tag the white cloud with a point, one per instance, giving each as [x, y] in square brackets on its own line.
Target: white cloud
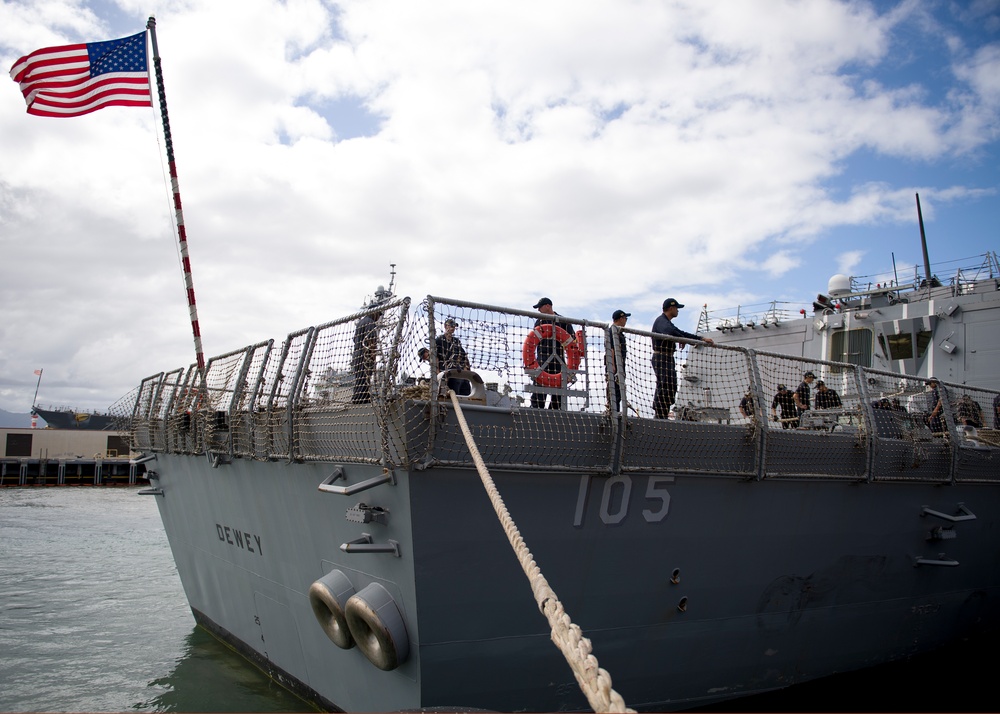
[982, 72]
[847, 262]
[780, 263]
[595, 152]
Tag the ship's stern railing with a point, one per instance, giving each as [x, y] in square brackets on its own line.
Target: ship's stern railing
[322, 395]
[338, 392]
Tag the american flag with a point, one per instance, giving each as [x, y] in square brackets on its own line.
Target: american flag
[72, 80]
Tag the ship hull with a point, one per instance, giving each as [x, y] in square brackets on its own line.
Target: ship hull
[76, 420]
[693, 588]
[717, 554]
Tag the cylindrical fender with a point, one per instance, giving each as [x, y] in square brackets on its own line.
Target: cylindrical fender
[377, 627]
[328, 597]
[529, 357]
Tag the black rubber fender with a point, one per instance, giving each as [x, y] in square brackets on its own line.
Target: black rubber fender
[377, 627]
[328, 597]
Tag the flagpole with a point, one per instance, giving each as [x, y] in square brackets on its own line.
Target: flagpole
[181, 232]
[35, 398]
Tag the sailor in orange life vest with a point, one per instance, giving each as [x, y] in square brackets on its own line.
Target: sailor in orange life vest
[550, 352]
[663, 357]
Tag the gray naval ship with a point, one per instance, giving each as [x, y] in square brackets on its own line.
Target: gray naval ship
[329, 520]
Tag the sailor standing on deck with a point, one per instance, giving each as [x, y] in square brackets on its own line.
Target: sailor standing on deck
[450, 353]
[663, 357]
[935, 420]
[801, 395]
[618, 319]
[364, 355]
[550, 352]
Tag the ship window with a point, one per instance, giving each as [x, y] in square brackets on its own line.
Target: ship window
[852, 346]
[900, 346]
[923, 341]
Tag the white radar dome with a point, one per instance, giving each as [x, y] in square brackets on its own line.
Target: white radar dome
[839, 285]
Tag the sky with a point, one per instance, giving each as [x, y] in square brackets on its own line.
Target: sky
[606, 154]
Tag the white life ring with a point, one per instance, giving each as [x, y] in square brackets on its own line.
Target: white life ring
[377, 627]
[328, 596]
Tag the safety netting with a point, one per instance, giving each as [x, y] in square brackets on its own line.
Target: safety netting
[548, 392]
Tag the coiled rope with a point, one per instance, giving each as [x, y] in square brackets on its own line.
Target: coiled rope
[595, 683]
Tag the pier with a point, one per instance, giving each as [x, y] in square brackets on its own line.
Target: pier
[67, 457]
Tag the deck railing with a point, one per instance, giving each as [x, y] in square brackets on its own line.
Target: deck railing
[339, 392]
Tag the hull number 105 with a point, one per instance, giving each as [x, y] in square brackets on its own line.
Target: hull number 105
[616, 497]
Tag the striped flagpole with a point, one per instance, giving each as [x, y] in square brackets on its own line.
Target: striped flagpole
[179, 212]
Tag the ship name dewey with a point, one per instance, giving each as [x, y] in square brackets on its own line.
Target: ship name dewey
[239, 538]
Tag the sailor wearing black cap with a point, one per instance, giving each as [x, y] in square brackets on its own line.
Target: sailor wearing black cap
[365, 353]
[785, 401]
[802, 392]
[826, 398]
[546, 348]
[663, 357]
[619, 347]
[936, 418]
[450, 353]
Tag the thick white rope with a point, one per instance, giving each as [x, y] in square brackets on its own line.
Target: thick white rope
[594, 682]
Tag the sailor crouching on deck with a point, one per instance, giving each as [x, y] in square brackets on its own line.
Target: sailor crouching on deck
[663, 357]
[785, 400]
[826, 398]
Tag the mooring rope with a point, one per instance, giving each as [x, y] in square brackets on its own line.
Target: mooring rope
[594, 682]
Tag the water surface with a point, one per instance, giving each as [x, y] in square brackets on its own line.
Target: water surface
[93, 616]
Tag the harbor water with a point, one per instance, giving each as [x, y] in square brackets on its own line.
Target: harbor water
[93, 618]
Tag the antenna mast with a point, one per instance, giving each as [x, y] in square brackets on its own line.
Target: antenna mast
[923, 243]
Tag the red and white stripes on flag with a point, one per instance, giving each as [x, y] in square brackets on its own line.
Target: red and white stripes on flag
[72, 80]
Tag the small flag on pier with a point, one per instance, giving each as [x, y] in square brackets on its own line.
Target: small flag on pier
[72, 80]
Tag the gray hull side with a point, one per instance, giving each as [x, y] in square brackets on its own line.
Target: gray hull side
[782, 581]
[74, 420]
[254, 586]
